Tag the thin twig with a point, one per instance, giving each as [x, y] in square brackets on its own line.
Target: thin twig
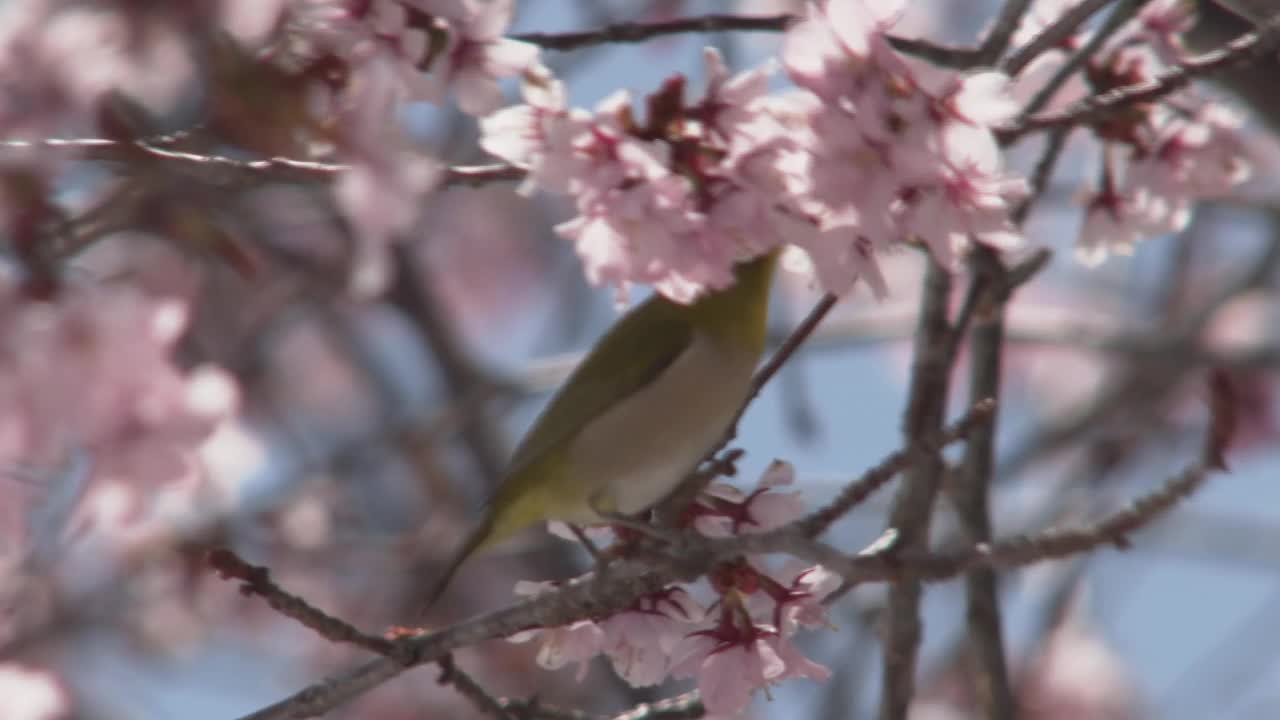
[887, 561]
[466, 686]
[1241, 51]
[793, 342]
[1116, 20]
[636, 32]
[257, 581]
[226, 170]
[673, 506]
[1041, 173]
[1053, 36]
[411, 292]
[856, 492]
[1001, 32]
[964, 316]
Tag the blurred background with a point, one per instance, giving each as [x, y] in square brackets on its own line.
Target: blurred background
[371, 430]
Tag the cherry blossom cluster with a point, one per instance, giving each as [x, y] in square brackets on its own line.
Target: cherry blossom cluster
[432, 47]
[873, 149]
[897, 149]
[365, 60]
[63, 66]
[92, 399]
[673, 199]
[736, 644]
[1158, 159]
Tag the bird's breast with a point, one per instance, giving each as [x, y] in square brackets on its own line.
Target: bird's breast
[639, 450]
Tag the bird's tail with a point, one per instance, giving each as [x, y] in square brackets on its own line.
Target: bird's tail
[474, 541]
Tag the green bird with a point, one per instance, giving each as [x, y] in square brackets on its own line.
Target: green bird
[636, 416]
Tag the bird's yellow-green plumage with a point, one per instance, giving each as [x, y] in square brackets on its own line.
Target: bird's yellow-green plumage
[639, 412]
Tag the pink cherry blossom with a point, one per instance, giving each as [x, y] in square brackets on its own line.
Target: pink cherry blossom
[1199, 156]
[961, 195]
[1113, 223]
[836, 41]
[31, 694]
[726, 510]
[538, 135]
[729, 108]
[640, 641]
[736, 657]
[1161, 24]
[382, 188]
[898, 148]
[477, 56]
[578, 642]
[91, 396]
[728, 674]
[806, 588]
[1159, 160]
[797, 664]
[674, 203]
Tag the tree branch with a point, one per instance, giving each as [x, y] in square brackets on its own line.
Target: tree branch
[223, 170]
[596, 596]
[971, 494]
[1001, 32]
[912, 509]
[1053, 36]
[257, 580]
[466, 686]
[1118, 17]
[636, 32]
[853, 494]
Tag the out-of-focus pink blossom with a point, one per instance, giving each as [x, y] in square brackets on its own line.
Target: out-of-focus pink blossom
[1200, 156]
[1077, 674]
[88, 382]
[1162, 24]
[382, 188]
[31, 694]
[476, 57]
[57, 63]
[369, 59]
[1113, 223]
[1161, 158]
[1173, 161]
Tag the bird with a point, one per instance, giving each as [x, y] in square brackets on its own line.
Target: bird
[655, 393]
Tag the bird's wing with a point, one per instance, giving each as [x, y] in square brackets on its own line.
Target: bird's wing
[634, 353]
